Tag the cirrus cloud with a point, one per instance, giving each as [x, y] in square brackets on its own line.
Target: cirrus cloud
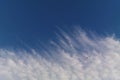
[76, 57]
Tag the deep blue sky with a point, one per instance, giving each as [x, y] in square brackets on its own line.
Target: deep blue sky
[31, 21]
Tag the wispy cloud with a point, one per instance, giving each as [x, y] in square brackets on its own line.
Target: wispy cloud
[76, 57]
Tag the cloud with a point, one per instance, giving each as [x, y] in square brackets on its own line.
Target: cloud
[75, 57]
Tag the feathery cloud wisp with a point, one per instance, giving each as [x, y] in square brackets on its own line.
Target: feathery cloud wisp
[75, 57]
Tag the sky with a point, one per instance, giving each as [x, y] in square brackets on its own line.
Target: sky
[28, 22]
[28, 26]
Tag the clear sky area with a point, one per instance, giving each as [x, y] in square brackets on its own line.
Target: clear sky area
[34, 21]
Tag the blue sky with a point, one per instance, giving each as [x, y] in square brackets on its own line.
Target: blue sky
[31, 21]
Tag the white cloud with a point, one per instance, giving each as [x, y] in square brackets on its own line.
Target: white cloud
[77, 57]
